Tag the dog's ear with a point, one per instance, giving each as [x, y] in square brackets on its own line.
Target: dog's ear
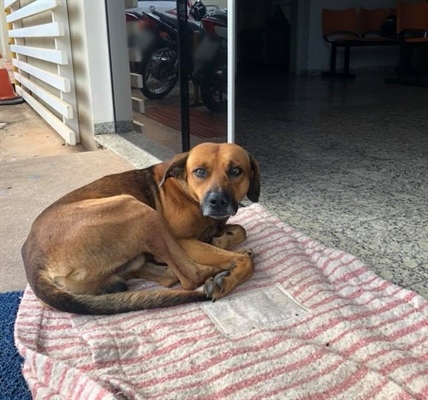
[176, 168]
[254, 190]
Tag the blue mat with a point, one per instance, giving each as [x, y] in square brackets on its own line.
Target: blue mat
[12, 383]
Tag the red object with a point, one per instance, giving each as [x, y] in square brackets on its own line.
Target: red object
[209, 26]
[130, 17]
[149, 21]
[7, 94]
[211, 22]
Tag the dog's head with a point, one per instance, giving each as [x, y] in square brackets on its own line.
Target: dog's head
[218, 176]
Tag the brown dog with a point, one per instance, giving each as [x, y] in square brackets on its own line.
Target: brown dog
[83, 248]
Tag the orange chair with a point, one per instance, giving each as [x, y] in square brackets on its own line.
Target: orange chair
[412, 31]
[340, 28]
[339, 25]
[371, 22]
[412, 20]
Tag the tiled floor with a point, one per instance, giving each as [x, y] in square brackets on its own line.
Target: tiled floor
[346, 163]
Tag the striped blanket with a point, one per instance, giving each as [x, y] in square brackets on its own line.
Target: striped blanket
[312, 323]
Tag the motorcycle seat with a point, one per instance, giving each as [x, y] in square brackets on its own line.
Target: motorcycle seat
[172, 19]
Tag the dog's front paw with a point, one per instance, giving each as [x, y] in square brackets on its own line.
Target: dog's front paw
[248, 252]
[240, 270]
[217, 286]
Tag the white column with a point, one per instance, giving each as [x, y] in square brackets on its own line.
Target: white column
[88, 25]
[103, 90]
[119, 62]
[231, 69]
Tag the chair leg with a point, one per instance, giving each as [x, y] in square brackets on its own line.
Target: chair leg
[403, 62]
[400, 62]
[346, 60]
[406, 75]
[332, 73]
[333, 58]
[421, 62]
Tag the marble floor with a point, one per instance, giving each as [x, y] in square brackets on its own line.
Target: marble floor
[346, 163]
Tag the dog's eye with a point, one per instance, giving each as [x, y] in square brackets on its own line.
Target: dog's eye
[199, 172]
[235, 171]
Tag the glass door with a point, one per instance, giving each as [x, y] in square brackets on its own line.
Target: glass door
[206, 80]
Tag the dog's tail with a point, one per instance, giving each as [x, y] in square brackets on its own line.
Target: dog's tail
[114, 303]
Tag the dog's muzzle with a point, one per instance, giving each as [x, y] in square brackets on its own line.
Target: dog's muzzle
[218, 205]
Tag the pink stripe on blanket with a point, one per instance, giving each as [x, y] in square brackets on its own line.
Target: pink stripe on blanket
[363, 338]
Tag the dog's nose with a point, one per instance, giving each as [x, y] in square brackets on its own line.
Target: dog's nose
[218, 200]
[218, 204]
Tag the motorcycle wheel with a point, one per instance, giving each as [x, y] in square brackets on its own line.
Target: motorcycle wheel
[214, 91]
[159, 71]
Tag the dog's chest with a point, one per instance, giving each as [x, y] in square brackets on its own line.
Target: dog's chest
[190, 225]
[211, 231]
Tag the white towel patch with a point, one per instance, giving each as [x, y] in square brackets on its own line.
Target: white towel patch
[254, 309]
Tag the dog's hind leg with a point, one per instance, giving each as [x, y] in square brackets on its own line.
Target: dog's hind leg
[139, 229]
[110, 284]
[118, 231]
[160, 274]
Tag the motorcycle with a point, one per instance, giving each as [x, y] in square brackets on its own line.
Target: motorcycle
[157, 40]
[159, 65]
[158, 50]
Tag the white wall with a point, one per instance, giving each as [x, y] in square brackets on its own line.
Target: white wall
[88, 35]
[92, 69]
[119, 65]
[318, 52]
[220, 3]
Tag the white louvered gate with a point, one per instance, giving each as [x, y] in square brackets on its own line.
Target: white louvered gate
[42, 61]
